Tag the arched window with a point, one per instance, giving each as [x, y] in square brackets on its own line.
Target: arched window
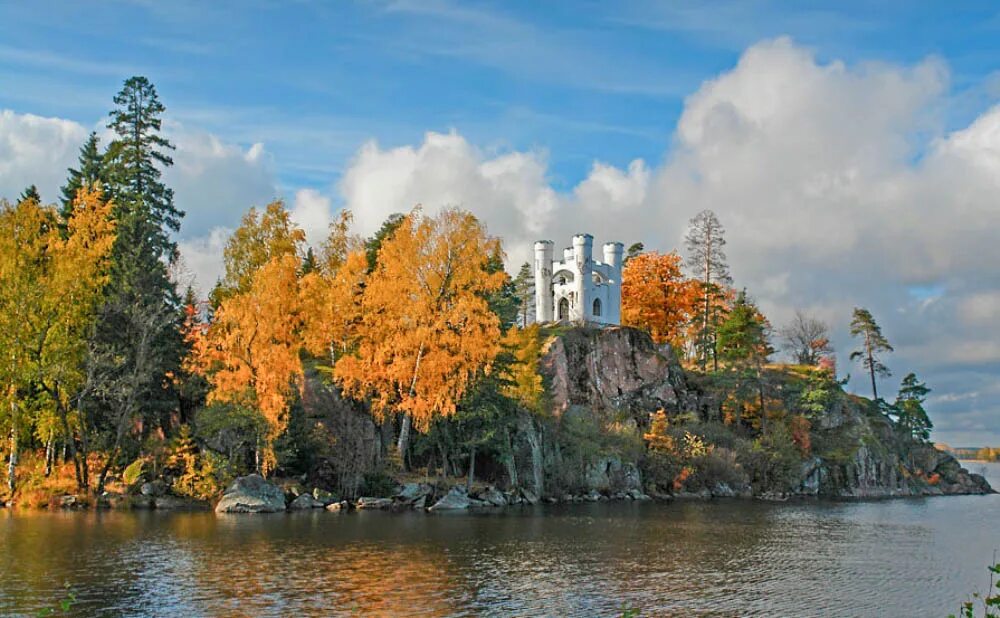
[597, 307]
[563, 309]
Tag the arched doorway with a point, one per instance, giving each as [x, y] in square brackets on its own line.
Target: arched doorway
[597, 308]
[563, 309]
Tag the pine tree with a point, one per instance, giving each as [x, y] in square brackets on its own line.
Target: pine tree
[705, 239]
[90, 169]
[909, 408]
[873, 343]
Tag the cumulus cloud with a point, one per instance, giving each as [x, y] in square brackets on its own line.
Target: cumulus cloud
[839, 186]
[36, 150]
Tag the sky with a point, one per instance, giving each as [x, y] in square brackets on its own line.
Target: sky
[852, 151]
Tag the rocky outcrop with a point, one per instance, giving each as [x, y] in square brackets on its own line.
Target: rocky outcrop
[611, 370]
[252, 494]
[602, 384]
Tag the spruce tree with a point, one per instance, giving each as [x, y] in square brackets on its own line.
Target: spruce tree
[133, 163]
[524, 289]
[90, 169]
[138, 344]
[30, 193]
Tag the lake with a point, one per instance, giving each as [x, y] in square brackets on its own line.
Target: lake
[913, 557]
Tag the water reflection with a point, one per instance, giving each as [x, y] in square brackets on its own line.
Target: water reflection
[907, 557]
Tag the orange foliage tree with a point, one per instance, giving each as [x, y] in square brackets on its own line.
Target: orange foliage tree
[657, 297]
[250, 351]
[332, 300]
[426, 329]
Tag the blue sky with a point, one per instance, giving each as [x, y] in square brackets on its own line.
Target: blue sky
[852, 149]
[584, 80]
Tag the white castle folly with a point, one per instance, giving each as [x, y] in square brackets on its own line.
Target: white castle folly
[578, 289]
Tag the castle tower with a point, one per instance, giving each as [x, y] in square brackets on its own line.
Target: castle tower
[613, 252]
[583, 260]
[577, 288]
[543, 281]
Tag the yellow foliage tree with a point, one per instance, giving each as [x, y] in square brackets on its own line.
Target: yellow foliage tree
[658, 298]
[250, 351]
[333, 303]
[524, 382]
[259, 239]
[426, 328]
[50, 288]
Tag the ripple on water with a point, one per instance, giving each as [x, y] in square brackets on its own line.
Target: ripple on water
[906, 557]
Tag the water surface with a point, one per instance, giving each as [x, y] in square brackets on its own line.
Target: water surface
[914, 557]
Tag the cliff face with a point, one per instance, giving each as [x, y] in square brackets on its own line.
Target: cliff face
[604, 383]
[611, 371]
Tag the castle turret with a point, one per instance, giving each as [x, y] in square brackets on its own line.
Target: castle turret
[613, 252]
[583, 257]
[543, 281]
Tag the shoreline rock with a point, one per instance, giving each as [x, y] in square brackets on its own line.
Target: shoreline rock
[252, 494]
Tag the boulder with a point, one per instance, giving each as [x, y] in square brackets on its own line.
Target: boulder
[153, 488]
[69, 502]
[370, 503]
[529, 496]
[723, 490]
[455, 499]
[338, 507]
[252, 494]
[411, 493]
[324, 496]
[305, 502]
[492, 496]
[175, 503]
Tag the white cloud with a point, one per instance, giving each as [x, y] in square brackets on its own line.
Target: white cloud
[36, 150]
[311, 211]
[838, 184]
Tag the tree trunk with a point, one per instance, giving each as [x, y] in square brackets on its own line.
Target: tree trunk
[404, 437]
[871, 370]
[12, 462]
[404, 431]
[472, 469]
[50, 454]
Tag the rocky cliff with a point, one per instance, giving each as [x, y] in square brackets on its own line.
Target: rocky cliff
[603, 384]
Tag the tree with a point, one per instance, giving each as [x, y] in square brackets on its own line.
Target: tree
[258, 240]
[873, 343]
[806, 339]
[705, 240]
[657, 297]
[138, 344]
[743, 343]
[374, 244]
[89, 170]
[30, 193]
[909, 408]
[133, 161]
[333, 304]
[250, 352]
[51, 289]
[426, 329]
[339, 243]
[524, 289]
[634, 251]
